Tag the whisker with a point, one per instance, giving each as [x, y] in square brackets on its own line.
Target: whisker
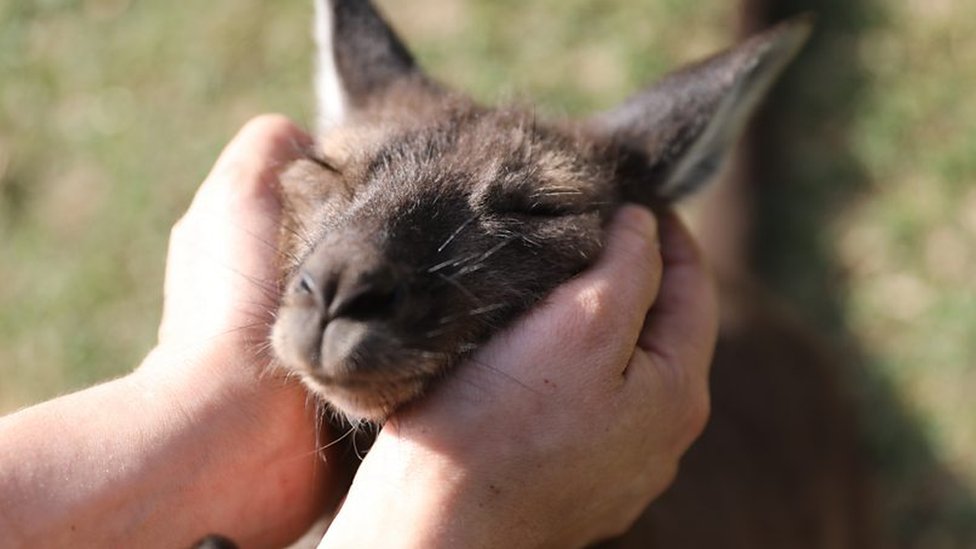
[355, 448]
[472, 313]
[294, 224]
[484, 257]
[300, 231]
[454, 262]
[505, 375]
[560, 191]
[456, 233]
[349, 431]
[460, 287]
[272, 245]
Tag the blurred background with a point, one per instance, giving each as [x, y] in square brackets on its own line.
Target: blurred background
[111, 112]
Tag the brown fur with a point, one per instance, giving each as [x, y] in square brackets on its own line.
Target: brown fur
[474, 215]
[422, 223]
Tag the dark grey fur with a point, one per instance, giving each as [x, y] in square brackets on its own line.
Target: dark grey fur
[423, 222]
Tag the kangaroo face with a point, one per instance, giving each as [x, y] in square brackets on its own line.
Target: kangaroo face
[422, 223]
[427, 239]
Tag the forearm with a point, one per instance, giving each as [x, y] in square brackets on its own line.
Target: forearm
[70, 470]
[131, 461]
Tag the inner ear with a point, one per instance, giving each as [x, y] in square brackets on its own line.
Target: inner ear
[360, 61]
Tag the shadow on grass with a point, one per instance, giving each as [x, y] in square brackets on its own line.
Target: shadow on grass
[808, 173]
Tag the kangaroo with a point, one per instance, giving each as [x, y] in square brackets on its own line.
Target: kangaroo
[422, 222]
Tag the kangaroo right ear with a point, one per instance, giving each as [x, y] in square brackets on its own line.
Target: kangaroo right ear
[360, 60]
[675, 134]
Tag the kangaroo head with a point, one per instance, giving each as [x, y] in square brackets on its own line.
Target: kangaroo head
[421, 222]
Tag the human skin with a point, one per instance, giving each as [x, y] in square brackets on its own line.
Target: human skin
[565, 427]
[202, 439]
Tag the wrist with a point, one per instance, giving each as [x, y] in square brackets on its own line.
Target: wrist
[407, 494]
[243, 442]
[392, 503]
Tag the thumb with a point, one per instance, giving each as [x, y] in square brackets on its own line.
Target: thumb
[593, 320]
[221, 267]
[683, 324]
[244, 179]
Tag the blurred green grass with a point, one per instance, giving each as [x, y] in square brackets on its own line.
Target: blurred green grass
[111, 112]
[909, 245]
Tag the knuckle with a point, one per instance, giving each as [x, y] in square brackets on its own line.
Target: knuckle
[693, 418]
[656, 477]
[663, 478]
[623, 523]
[699, 411]
[594, 329]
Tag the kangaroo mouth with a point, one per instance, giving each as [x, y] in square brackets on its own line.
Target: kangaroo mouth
[371, 398]
[364, 370]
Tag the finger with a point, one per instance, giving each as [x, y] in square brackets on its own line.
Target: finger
[681, 328]
[246, 173]
[595, 318]
[238, 204]
[222, 252]
[611, 299]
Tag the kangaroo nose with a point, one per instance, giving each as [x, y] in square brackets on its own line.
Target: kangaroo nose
[338, 307]
[364, 293]
[355, 291]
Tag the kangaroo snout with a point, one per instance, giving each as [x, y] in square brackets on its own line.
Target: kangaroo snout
[339, 324]
[361, 287]
[338, 306]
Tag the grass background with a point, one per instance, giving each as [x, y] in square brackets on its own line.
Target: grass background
[111, 112]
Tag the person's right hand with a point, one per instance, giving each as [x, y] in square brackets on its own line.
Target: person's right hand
[563, 428]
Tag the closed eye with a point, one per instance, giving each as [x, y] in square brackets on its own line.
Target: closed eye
[541, 204]
[537, 209]
[321, 161]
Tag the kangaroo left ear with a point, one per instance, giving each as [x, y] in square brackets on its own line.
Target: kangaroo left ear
[676, 133]
[360, 61]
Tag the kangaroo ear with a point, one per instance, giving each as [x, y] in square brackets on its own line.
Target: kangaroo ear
[676, 133]
[360, 60]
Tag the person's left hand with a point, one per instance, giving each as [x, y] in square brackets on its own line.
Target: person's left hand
[213, 360]
[202, 438]
[561, 429]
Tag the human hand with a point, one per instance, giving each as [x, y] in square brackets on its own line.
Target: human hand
[200, 439]
[211, 363]
[561, 430]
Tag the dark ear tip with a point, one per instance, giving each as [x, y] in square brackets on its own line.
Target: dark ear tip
[781, 43]
[807, 20]
[797, 29]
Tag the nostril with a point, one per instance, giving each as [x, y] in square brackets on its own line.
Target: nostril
[367, 301]
[362, 290]
[305, 284]
[304, 289]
